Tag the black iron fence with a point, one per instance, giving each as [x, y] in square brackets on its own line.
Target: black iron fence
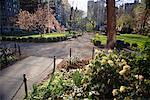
[9, 55]
[24, 80]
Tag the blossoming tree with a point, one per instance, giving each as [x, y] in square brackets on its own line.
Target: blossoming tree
[41, 20]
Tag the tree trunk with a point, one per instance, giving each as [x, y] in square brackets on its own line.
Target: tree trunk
[111, 24]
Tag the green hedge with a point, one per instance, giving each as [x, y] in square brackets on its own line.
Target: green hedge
[35, 40]
[96, 40]
[41, 39]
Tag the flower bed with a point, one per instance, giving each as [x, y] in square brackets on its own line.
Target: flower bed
[111, 75]
[7, 57]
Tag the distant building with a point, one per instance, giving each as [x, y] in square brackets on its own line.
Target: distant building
[29, 5]
[58, 8]
[128, 7]
[60, 13]
[8, 9]
[96, 11]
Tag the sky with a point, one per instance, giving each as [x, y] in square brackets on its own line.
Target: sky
[82, 4]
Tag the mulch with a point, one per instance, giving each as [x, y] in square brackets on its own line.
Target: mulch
[79, 64]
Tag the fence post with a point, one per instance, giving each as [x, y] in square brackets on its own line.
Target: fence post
[15, 47]
[93, 52]
[19, 51]
[54, 64]
[70, 56]
[5, 56]
[25, 84]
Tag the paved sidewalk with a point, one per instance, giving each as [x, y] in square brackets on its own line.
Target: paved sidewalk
[36, 69]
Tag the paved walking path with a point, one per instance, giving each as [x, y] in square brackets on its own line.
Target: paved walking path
[38, 61]
[81, 46]
[36, 68]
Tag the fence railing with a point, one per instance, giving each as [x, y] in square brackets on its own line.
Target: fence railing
[6, 53]
[24, 80]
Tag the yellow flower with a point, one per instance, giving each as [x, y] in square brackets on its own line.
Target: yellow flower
[118, 60]
[103, 61]
[123, 62]
[110, 62]
[87, 70]
[126, 67]
[104, 57]
[115, 92]
[122, 72]
[122, 89]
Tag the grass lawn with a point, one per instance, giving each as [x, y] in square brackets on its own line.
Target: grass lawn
[130, 38]
[48, 35]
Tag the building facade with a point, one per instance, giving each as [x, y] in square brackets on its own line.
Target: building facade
[96, 12]
[128, 7]
[58, 8]
[8, 9]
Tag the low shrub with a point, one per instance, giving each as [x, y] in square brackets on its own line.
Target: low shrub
[120, 44]
[8, 39]
[35, 40]
[24, 39]
[127, 44]
[14, 39]
[3, 38]
[96, 40]
[108, 76]
[49, 39]
[134, 45]
[30, 39]
[41, 39]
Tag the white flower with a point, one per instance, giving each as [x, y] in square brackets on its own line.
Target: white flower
[85, 99]
[126, 67]
[110, 51]
[122, 89]
[115, 92]
[105, 58]
[123, 62]
[79, 94]
[90, 65]
[90, 93]
[115, 99]
[97, 51]
[140, 77]
[122, 72]
[110, 62]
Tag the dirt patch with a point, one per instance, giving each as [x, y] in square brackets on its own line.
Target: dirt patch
[78, 64]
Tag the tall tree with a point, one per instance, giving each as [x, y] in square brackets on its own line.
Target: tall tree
[111, 24]
[146, 13]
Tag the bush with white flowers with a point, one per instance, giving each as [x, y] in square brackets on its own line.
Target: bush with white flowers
[108, 76]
